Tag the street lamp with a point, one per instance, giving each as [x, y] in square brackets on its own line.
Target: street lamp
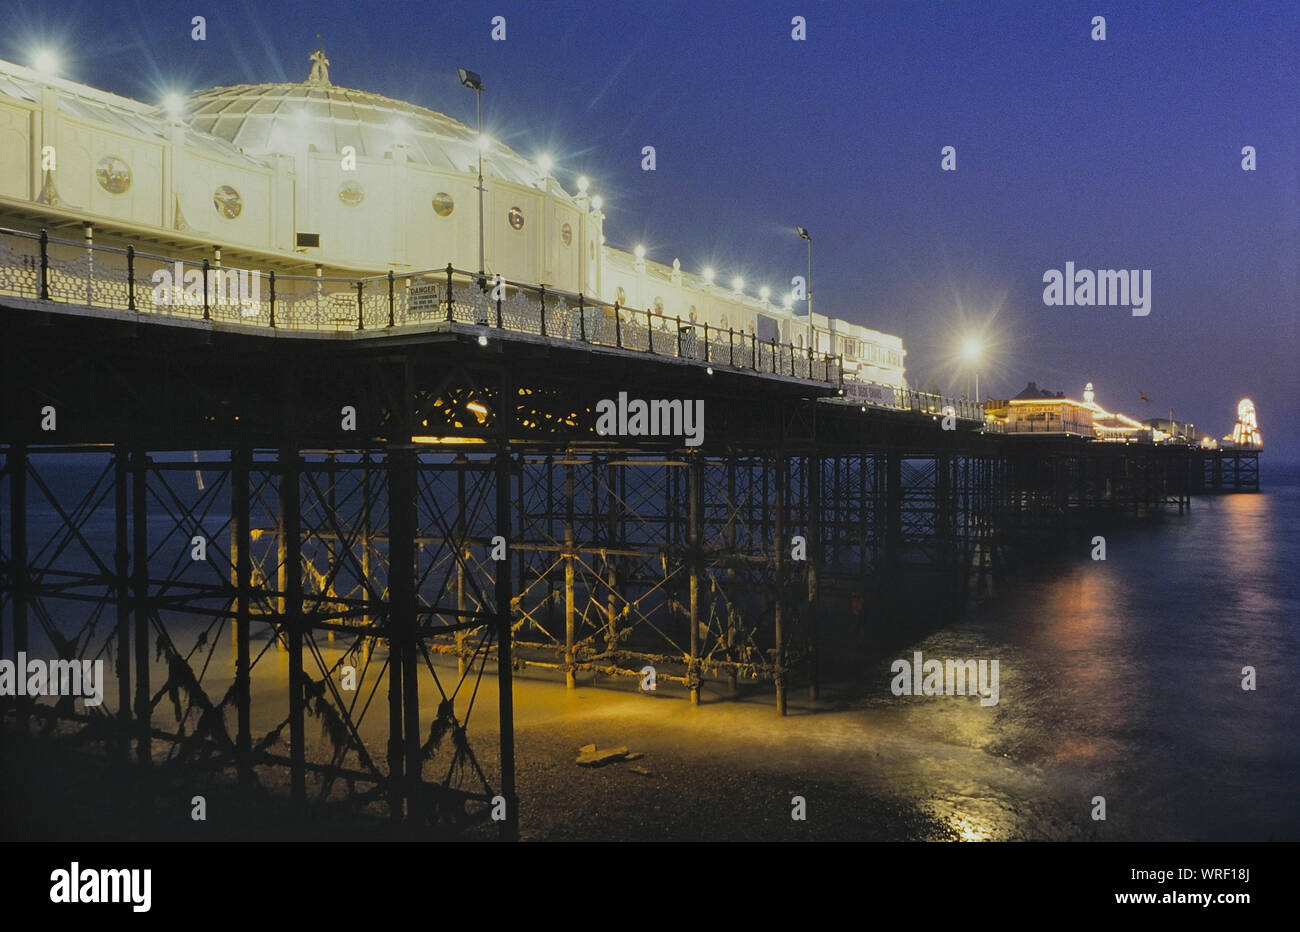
[971, 351]
[475, 84]
[804, 234]
[174, 104]
[45, 63]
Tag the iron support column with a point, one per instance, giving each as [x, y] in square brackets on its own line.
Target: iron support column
[694, 542]
[291, 620]
[241, 534]
[19, 572]
[122, 572]
[509, 827]
[778, 530]
[140, 583]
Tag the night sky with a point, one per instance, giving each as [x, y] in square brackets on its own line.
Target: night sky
[1117, 154]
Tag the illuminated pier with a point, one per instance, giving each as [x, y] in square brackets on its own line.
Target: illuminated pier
[290, 475]
[355, 472]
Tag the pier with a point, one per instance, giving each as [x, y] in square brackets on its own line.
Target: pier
[387, 469]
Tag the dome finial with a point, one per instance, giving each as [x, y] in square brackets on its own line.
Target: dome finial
[320, 66]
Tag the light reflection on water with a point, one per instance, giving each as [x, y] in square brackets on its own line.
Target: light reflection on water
[1118, 678]
[1123, 678]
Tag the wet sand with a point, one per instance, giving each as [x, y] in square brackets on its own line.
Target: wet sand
[726, 770]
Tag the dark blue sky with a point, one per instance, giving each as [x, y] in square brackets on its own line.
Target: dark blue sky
[1115, 154]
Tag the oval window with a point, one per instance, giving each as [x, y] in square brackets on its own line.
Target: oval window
[351, 193]
[566, 234]
[516, 218]
[443, 204]
[227, 202]
[114, 174]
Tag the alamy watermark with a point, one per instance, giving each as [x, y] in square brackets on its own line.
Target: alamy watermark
[1104, 287]
[673, 417]
[226, 287]
[87, 885]
[34, 677]
[946, 678]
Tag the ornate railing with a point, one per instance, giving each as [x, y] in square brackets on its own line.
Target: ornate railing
[41, 267]
[45, 268]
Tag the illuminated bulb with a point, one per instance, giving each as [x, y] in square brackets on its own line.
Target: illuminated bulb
[708, 274]
[709, 370]
[765, 292]
[640, 251]
[482, 339]
[45, 62]
[583, 183]
[597, 202]
[544, 164]
[484, 142]
[737, 283]
[787, 301]
[174, 105]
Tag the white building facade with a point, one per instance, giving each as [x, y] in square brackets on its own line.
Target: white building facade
[308, 175]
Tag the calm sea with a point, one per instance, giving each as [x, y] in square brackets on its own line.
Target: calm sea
[1119, 679]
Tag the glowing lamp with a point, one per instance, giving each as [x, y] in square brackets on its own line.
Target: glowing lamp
[45, 62]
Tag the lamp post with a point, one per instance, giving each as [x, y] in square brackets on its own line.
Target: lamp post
[803, 234]
[971, 350]
[475, 84]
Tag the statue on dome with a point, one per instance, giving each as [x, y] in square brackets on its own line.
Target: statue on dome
[320, 68]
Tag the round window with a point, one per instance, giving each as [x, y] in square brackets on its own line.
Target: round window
[227, 202]
[443, 204]
[114, 174]
[516, 218]
[351, 193]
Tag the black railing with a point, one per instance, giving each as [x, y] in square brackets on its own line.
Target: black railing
[71, 272]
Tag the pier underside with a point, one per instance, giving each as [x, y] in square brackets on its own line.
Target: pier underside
[360, 526]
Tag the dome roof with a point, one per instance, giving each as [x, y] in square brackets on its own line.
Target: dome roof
[265, 118]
